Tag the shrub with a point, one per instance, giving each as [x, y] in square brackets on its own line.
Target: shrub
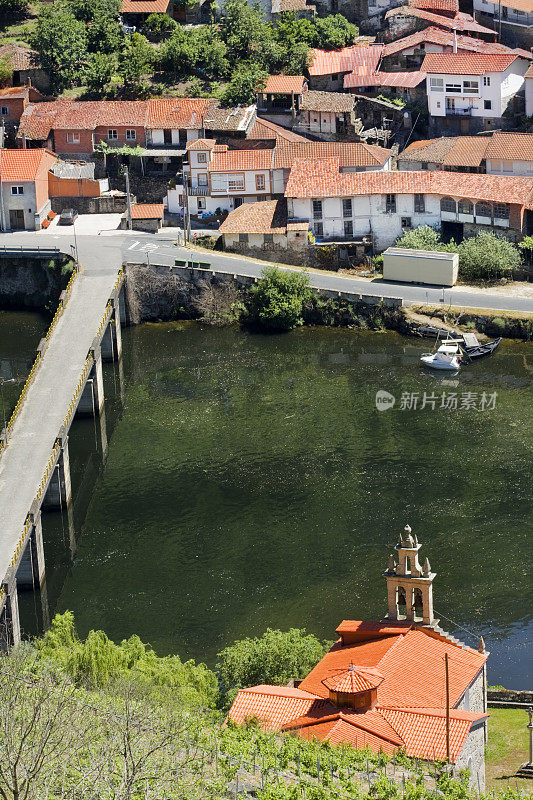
[276, 302]
[424, 238]
[160, 23]
[487, 256]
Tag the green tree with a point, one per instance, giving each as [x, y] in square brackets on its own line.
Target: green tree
[246, 34]
[103, 34]
[135, 60]
[275, 657]
[276, 302]
[487, 256]
[159, 23]
[334, 32]
[61, 41]
[194, 51]
[87, 10]
[246, 81]
[424, 238]
[12, 11]
[99, 72]
[6, 71]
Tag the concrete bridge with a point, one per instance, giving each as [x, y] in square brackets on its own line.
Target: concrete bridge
[66, 380]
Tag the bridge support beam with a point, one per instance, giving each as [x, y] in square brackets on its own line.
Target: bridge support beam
[92, 396]
[9, 616]
[59, 492]
[30, 572]
[111, 344]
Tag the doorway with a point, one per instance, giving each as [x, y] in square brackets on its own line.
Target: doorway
[452, 230]
[16, 219]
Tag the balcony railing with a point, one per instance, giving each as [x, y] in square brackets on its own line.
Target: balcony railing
[458, 111]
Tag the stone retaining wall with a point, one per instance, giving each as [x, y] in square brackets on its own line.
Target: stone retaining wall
[32, 281]
[511, 696]
[108, 204]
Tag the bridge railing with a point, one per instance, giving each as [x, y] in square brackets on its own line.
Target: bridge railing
[29, 380]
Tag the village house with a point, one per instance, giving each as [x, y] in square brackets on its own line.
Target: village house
[407, 19]
[13, 101]
[383, 685]
[134, 13]
[25, 65]
[408, 53]
[473, 92]
[513, 17]
[281, 96]
[497, 154]
[327, 115]
[269, 134]
[24, 195]
[300, 8]
[262, 229]
[219, 179]
[328, 68]
[381, 205]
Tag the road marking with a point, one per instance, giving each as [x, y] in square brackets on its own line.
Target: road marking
[132, 246]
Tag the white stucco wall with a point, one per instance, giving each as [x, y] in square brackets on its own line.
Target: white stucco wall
[26, 202]
[499, 167]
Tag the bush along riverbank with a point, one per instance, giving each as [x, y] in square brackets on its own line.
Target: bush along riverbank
[91, 718]
[33, 283]
[282, 300]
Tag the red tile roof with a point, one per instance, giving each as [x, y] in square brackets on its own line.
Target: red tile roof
[230, 160]
[358, 58]
[25, 165]
[467, 63]
[410, 710]
[177, 112]
[510, 146]
[436, 5]
[406, 80]
[460, 22]
[144, 6]
[452, 151]
[202, 144]
[350, 154]
[433, 35]
[264, 129]
[269, 216]
[39, 119]
[147, 211]
[20, 57]
[285, 84]
[322, 178]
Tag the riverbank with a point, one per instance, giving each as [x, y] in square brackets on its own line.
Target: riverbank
[33, 282]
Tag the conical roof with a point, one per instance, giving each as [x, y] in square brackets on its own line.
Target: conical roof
[354, 679]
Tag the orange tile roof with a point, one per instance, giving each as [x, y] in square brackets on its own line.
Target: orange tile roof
[519, 5]
[177, 112]
[273, 705]
[424, 730]
[511, 146]
[285, 84]
[436, 5]
[456, 151]
[20, 57]
[460, 22]
[350, 154]
[229, 160]
[322, 178]
[264, 129]
[202, 144]
[406, 80]
[268, 216]
[353, 680]
[467, 63]
[14, 92]
[25, 165]
[357, 58]
[434, 35]
[147, 211]
[144, 6]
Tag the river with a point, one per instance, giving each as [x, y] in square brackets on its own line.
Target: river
[249, 481]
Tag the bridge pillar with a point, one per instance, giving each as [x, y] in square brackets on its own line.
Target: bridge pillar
[59, 492]
[30, 572]
[111, 344]
[92, 396]
[9, 616]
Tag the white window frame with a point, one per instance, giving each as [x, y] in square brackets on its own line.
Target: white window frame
[16, 191]
[471, 87]
[112, 135]
[131, 135]
[454, 88]
[202, 158]
[73, 137]
[436, 84]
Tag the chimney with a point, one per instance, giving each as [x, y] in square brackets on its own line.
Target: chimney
[454, 41]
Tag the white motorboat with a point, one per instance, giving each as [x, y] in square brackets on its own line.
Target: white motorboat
[448, 356]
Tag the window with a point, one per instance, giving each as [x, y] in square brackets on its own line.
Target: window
[202, 204]
[454, 88]
[269, 238]
[448, 204]
[202, 179]
[317, 209]
[73, 138]
[507, 166]
[406, 222]
[319, 229]
[202, 158]
[390, 203]
[4, 111]
[334, 77]
[112, 134]
[236, 183]
[131, 134]
[260, 183]
[243, 237]
[420, 204]
[348, 227]
[425, 164]
[501, 210]
[436, 84]
[16, 190]
[487, 105]
[347, 207]
[486, 80]
[465, 207]
[470, 87]
[483, 210]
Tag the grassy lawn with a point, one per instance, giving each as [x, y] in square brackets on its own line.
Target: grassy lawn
[507, 748]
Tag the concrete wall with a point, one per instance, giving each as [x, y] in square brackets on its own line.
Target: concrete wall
[110, 204]
[33, 202]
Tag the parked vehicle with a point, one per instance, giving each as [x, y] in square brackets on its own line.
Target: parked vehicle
[68, 216]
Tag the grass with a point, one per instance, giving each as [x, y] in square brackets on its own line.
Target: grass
[507, 747]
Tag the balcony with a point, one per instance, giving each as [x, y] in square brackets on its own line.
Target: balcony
[194, 191]
[459, 111]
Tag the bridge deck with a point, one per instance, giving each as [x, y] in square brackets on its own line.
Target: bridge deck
[24, 461]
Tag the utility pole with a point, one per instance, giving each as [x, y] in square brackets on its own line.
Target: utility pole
[500, 20]
[186, 212]
[447, 675]
[128, 198]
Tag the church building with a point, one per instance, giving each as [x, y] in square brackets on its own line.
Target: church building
[384, 685]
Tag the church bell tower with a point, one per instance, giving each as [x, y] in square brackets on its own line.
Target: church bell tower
[409, 586]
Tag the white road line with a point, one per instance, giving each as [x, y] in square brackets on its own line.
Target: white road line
[132, 246]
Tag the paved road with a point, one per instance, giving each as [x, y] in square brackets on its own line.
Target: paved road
[25, 459]
[159, 248]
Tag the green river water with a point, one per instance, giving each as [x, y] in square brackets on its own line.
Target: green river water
[249, 481]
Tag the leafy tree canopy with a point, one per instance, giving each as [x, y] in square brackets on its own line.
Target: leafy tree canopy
[275, 658]
[276, 302]
[245, 32]
[334, 32]
[12, 11]
[87, 10]
[487, 256]
[135, 60]
[61, 41]
[99, 71]
[103, 34]
[6, 71]
[425, 238]
[244, 85]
